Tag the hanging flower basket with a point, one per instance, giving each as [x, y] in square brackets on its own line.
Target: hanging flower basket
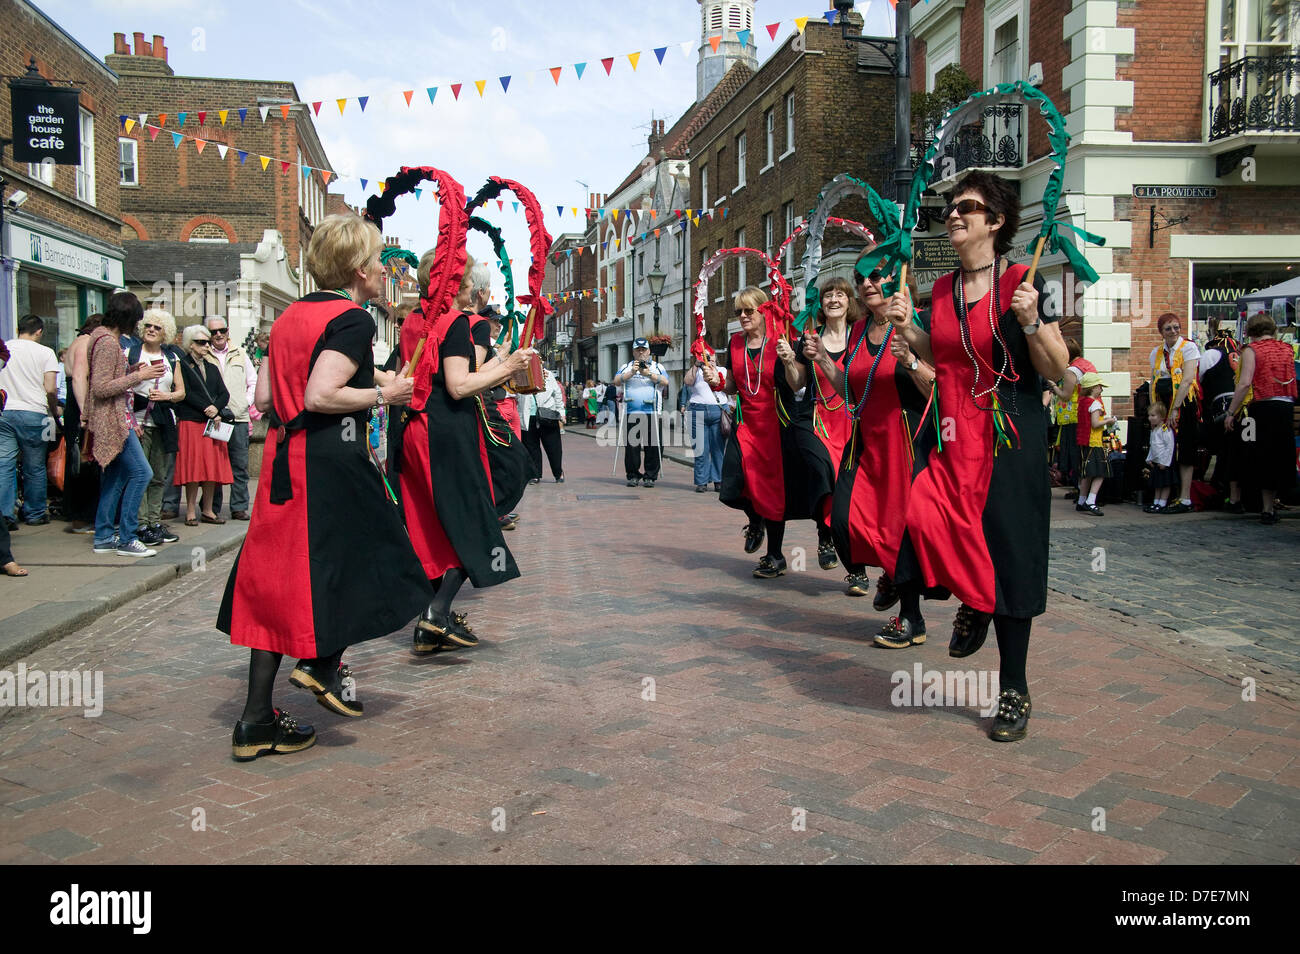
[659, 344]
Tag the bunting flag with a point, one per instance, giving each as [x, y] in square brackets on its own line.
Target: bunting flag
[176, 140]
[284, 110]
[243, 115]
[284, 165]
[153, 133]
[480, 84]
[128, 123]
[203, 116]
[222, 114]
[341, 103]
[315, 107]
[688, 47]
[659, 54]
[505, 83]
[264, 110]
[362, 100]
[830, 16]
[162, 119]
[634, 58]
[222, 149]
[578, 68]
[144, 119]
[363, 185]
[715, 40]
[180, 118]
[608, 63]
[743, 37]
[432, 91]
[555, 73]
[800, 23]
[559, 210]
[199, 144]
[243, 156]
[265, 160]
[408, 93]
[455, 91]
[516, 206]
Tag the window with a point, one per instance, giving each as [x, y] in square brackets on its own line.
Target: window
[679, 319]
[769, 245]
[769, 122]
[789, 228]
[704, 187]
[735, 18]
[741, 261]
[1006, 52]
[86, 171]
[1257, 28]
[42, 171]
[789, 123]
[681, 246]
[740, 160]
[640, 266]
[715, 19]
[129, 173]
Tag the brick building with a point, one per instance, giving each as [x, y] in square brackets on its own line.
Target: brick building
[1182, 153]
[181, 195]
[62, 244]
[571, 270]
[815, 109]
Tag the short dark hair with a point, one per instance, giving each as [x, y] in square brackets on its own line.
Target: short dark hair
[92, 322]
[30, 324]
[1001, 197]
[1072, 348]
[123, 313]
[1261, 323]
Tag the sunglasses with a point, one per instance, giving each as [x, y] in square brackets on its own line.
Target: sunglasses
[203, 341]
[964, 207]
[746, 311]
[220, 331]
[874, 277]
[151, 327]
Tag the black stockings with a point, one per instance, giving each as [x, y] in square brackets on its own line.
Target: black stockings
[1013, 648]
[445, 590]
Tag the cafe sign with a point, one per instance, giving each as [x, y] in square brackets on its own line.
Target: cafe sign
[46, 123]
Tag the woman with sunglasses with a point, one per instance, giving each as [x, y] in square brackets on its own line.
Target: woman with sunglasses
[883, 389]
[753, 466]
[978, 512]
[201, 461]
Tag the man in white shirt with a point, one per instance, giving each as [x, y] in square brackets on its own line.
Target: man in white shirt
[241, 381]
[645, 382]
[30, 379]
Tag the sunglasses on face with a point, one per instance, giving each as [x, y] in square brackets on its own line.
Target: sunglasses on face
[874, 277]
[219, 331]
[746, 311]
[152, 327]
[964, 207]
[202, 341]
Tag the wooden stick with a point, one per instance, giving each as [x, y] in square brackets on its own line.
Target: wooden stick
[1033, 266]
[902, 277]
[415, 359]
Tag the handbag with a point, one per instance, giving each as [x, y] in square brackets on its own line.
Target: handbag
[55, 464]
[225, 415]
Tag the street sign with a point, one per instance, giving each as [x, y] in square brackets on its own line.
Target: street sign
[46, 123]
[1174, 192]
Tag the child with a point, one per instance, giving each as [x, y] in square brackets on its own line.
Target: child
[1094, 467]
[1160, 457]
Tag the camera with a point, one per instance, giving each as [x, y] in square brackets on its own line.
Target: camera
[642, 366]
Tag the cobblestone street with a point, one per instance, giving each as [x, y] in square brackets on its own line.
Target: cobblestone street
[639, 697]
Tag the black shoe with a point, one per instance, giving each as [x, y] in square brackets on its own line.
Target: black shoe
[717, 486]
[11, 524]
[769, 569]
[701, 488]
[1268, 519]
[1231, 507]
[647, 482]
[753, 538]
[448, 632]
[969, 630]
[164, 533]
[40, 521]
[508, 521]
[148, 537]
[858, 584]
[282, 734]
[886, 594]
[634, 481]
[332, 689]
[1011, 724]
[1179, 507]
[1081, 507]
[535, 480]
[1092, 510]
[826, 557]
[560, 479]
[169, 515]
[899, 634]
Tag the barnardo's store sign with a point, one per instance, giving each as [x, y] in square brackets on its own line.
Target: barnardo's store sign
[46, 123]
[56, 255]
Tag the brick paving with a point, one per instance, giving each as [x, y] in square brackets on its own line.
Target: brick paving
[768, 708]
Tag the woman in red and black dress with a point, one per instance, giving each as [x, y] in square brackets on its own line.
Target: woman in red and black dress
[754, 470]
[885, 404]
[326, 562]
[443, 469]
[978, 512]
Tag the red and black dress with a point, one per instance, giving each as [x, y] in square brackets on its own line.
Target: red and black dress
[757, 476]
[326, 562]
[444, 474]
[869, 514]
[978, 520]
[815, 435]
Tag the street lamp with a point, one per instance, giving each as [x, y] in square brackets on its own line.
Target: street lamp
[656, 279]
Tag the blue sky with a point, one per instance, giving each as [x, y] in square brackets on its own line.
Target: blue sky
[547, 137]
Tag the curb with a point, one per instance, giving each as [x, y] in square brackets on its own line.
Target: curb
[45, 623]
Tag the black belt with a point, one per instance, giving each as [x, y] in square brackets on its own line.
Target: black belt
[281, 483]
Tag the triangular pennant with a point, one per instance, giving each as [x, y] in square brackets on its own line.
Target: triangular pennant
[265, 160]
[326, 175]
[284, 166]
[830, 16]
[600, 213]
[417, 194]
[578, 68]
[264, 110]
[800, 23]
[688, 47]
[408, 93]
[363, 185]
[614, 212]
[559, 210]
[555, 73]
[203, 116]
[480, 84]
[501, 205]
[342, 103]
[714, 41]
[659, 54]
[575, 211]
[743, 37]
[176, 140]
[608, 63]
[363, 100]
[180, 118]
[243, 115]
[516, 205]
[617, 243]
[382, 187]
[222, 149]
[128, 122]
[656, 233]
[654, 214]
[315, 107]
[432, 91]
[306, 172]
[772, 28]
[153, 133]
[222, 114]
[634, 58]
[162, 119]
[284, 110]
[242, 156]
[143, 119]
[505, 83]
[455, 90]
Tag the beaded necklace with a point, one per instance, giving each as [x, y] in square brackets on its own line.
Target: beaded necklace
[1008, 371]
[817, 386]
[855, 410]
[762, 353]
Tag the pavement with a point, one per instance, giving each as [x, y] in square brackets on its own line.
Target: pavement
[639, 697]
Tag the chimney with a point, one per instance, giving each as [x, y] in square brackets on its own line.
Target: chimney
[119, 44]
[140, 48]
[656, 136]
[159, 50]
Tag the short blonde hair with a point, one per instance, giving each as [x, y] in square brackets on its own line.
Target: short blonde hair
[164, 318]
[422, 270]
[751, 297]
[340, 245]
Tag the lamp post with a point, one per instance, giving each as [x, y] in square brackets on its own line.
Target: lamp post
[656, 279]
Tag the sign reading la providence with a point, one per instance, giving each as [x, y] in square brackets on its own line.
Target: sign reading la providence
[46, 123]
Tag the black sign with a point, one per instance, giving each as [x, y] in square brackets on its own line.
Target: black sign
[1174, 192]
[46, 123]
[934, 255]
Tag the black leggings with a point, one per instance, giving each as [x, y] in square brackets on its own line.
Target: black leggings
[1013, 651]
[775, 532]
[262, 668]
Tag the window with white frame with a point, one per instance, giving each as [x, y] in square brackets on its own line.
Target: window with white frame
[1257, 28]
[769, 238]
[769, 124]
[129, 172]
[740, 160]
[735, 17]
[789, 123]
[1005, 66]
[789, 228]
[715, 18]
[86, 171]
[704, 187]
[42, 171]
[742, 260]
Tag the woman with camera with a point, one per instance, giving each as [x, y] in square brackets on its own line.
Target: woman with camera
[202, 461]
[155, 417]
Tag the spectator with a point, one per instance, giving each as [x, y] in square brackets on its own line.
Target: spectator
[112, 441]
[201, 461]
[591, 402]
[240, 375]
[542, 418]
[155, 418]
[8, 565]
[1067, 415]
[1160, 457]
[1218, 369]
[1267, 367]
[610, 403]
[81, 477]
[644, 384]
[30, 377]
[704, 413]
[1173, 369]
[1094, 467]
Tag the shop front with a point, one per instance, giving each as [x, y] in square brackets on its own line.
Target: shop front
[1217, 286]
[60, 275]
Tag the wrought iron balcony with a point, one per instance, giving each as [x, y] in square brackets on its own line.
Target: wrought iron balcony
[1255, 94]
[995, 142]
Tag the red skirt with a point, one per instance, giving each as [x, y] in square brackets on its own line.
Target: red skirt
[201, 458]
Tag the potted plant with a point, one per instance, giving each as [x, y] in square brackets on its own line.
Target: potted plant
[659, 344]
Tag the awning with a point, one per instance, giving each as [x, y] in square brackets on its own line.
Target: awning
[1263, 299]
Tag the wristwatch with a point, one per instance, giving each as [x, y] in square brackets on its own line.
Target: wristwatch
[1032, 329]
[379, 396]
[916, 363]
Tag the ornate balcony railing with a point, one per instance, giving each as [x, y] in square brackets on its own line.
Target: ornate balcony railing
[996, 142]
[1255, 94]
